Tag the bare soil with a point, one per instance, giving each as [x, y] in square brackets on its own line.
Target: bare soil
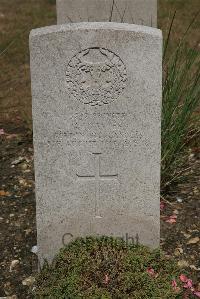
[17, 206]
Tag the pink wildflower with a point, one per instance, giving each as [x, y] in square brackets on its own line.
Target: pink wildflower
[188, 284]
[174, 284]
[197, 293]
[183, 278]
[106, 279]
[171, 219]
[151, 271]
[2, 132]
[162, 205]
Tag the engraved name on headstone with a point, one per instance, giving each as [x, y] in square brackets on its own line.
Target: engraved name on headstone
[141, 12]
[96, 91]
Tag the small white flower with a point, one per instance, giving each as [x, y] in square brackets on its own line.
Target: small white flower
[179, 199]
[34, 249]
[29, 281]
[13, 264]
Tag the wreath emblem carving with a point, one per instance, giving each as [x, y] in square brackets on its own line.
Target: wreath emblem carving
[96, 76]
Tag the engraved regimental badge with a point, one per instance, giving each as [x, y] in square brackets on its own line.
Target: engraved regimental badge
[96, 76]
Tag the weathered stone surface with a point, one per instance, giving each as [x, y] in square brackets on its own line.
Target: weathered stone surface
[96, 91]
[141, 12]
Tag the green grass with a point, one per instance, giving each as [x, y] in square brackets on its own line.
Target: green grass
[81, 268]
[181, 98]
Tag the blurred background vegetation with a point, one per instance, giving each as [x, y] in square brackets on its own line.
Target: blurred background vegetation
[180, 118]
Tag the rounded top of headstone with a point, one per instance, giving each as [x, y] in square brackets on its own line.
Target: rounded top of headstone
[96, 26]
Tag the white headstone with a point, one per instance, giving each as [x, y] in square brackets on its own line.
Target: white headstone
[141, 12]
[96, 91]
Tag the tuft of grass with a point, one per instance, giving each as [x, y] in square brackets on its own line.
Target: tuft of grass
[181, 98]
[105, 267]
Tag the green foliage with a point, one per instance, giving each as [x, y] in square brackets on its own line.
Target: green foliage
[181, 96]
[81, 268]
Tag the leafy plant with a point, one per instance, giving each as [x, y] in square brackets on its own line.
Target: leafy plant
[181, 96]
[108, 268]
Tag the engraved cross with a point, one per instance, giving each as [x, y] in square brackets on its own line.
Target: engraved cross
[97, 177]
